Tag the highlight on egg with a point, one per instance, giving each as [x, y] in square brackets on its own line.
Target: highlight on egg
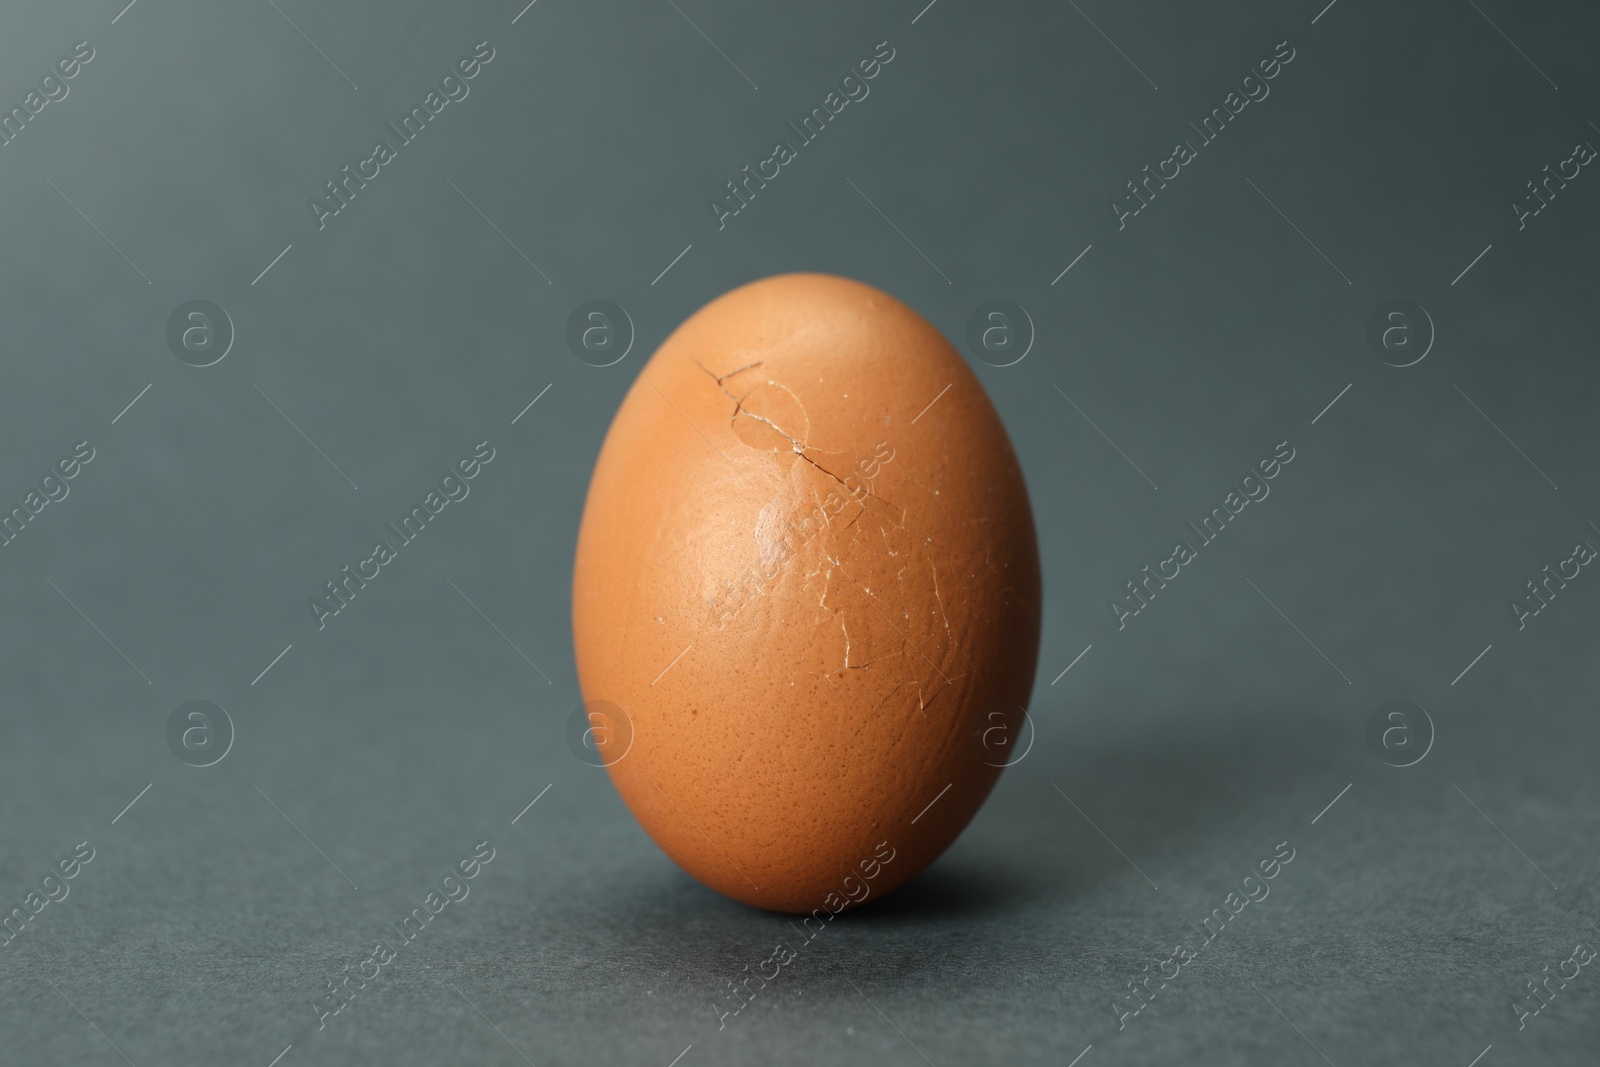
[808, 579]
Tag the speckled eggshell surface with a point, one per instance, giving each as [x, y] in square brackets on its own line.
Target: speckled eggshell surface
[807, 574]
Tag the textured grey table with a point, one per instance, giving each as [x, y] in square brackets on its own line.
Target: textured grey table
[1384, 161]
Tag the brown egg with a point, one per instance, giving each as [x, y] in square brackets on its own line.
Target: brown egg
[808, 576]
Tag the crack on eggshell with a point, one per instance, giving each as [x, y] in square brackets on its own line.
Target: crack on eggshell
[943, 617]
[715, 381]
[738, 409]
[719, 379]
[741, 370]
[844, 625]
[875, 709]
[800, 451]
[893, 690]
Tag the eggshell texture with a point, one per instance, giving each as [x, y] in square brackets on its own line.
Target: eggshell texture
[807, 573]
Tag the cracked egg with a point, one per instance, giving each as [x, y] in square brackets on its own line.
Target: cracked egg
[807, 572]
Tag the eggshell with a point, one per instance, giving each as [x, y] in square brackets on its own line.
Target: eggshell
[807, 574]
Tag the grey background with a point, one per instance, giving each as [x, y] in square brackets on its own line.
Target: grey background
[1197, 338]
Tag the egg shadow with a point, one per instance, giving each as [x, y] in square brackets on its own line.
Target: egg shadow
[1188, 788]
[1169, 794]
[1183, 787]
[1162, 796]
[945, 891]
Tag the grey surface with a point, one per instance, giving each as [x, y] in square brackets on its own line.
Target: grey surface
[1196, 739]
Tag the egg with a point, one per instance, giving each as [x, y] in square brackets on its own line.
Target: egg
[806, 595]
